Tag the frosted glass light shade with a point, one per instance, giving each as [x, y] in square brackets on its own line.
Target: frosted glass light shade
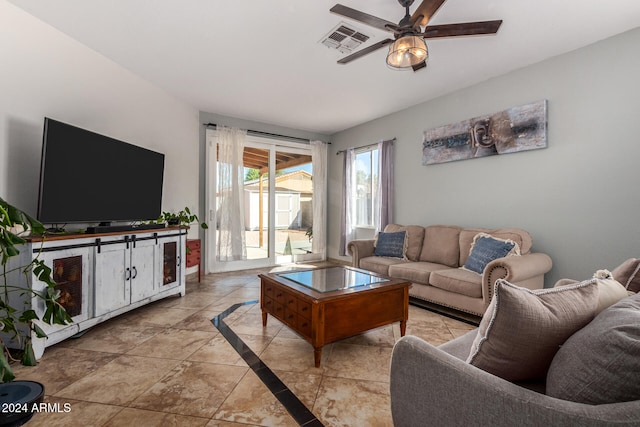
[407, 51]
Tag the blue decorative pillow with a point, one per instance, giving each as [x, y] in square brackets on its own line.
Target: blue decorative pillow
[485, 249]
[391, 244]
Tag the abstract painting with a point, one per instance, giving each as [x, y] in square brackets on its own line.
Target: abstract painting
[517, 129]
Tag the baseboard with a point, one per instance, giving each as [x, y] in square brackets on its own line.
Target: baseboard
[339, 261]
[446, 311]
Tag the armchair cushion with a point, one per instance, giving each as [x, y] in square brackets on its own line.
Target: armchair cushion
[608, 372]
[610, 291]
[522, 329]
[628, 274]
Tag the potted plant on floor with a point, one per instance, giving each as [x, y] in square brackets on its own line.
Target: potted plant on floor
[15, 323]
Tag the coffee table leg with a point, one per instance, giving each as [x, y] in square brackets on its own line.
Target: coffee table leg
[264, 318]
[317, 355]
[403, 327]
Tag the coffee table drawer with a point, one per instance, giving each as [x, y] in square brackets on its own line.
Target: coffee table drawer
[304, 308]
[268, 304]
[269, 290]
[278, 310]
[304, 326]
[290, 318]
[290, 302]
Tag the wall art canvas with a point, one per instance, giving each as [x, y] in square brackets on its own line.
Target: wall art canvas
[517, 129]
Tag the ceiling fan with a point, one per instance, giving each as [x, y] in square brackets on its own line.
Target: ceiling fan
[408, 48]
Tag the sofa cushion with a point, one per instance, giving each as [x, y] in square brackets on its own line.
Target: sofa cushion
[392, 245]
[521, 237]
[628, 274]
[379, 264]
[485, 248]
[522, 329]
[415, 236]
[441, 245]
[417, 272]
[458, 280]
[600, 363]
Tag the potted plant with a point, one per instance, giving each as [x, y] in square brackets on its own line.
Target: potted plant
[183, 218]
[16, 323]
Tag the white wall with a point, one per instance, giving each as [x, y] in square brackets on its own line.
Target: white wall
[46, 73]
[578, 197]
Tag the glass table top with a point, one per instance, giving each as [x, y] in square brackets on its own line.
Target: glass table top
[332, 279]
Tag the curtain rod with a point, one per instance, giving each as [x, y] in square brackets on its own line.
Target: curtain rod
[363, 146]
[268, 134]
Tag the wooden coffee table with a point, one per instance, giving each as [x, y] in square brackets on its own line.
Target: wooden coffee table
[328, 304]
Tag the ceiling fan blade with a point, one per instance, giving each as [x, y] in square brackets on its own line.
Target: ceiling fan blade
[463, 29]
[425, 12]
[365, 51]
[419, 66]
[365, 18]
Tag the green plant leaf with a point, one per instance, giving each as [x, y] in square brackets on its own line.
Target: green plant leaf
[38, 331]
[43, 272]
[28, 357]
[48, 314]
[28, 316]
[5, 368]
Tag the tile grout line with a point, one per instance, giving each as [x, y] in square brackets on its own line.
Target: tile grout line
[300, 413]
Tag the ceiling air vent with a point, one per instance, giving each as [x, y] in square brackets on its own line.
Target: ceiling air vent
[344, 38]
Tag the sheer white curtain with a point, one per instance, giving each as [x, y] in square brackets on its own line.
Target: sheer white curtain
[319, 160]
[347, 224]
[231, 237]
[383, 204]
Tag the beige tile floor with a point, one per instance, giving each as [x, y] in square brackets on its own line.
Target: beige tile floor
[165, 364]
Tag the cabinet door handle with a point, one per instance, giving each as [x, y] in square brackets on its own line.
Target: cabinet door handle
[135, 272]
[127, 274]
[178, 260]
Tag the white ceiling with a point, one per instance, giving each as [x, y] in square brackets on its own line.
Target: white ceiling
[261, 60]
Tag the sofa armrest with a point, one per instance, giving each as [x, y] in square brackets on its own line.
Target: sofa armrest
[360, 248]
[431, 387]
[525, 270]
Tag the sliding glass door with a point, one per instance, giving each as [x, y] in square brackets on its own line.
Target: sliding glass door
[277, 196]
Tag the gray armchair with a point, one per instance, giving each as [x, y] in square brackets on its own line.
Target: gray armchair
[435, 387]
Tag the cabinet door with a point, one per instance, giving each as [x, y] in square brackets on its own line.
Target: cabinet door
[171, 262]
[144, 269]
[112, 274]
[71, 270]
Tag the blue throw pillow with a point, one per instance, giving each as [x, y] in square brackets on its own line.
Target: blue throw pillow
[391, 244]
[485, 249]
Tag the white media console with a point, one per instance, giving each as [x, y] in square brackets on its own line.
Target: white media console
[102, 275]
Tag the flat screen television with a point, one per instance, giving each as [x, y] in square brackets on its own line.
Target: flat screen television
[86, 177]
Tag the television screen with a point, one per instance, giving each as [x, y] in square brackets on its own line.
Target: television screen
[87, 177]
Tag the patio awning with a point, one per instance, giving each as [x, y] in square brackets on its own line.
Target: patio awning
[257, 158]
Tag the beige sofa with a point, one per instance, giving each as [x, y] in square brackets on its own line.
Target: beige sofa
[434, 255]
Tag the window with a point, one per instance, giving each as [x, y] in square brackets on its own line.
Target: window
[366, 168]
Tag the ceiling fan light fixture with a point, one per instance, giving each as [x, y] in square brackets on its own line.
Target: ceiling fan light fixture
[407, 51]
